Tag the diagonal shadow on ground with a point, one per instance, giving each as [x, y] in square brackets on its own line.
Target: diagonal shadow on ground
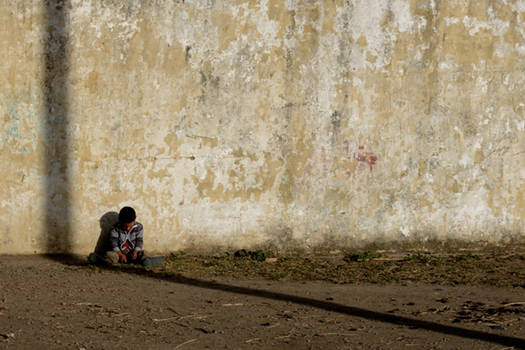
[343, 309]
[324, 305]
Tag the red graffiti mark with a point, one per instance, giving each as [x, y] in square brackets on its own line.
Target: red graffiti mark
[366, 157]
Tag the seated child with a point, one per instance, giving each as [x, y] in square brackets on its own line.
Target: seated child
[127, 239]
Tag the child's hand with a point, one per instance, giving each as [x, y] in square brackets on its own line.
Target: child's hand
[122, 257]
[135, 254]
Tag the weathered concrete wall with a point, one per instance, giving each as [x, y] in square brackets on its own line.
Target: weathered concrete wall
[301, 124]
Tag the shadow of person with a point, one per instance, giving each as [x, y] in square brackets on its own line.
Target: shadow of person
[107, 221]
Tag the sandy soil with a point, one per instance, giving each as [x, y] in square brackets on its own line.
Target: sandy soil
[50, 303]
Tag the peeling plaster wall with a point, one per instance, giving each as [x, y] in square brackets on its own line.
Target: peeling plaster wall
[296, 124]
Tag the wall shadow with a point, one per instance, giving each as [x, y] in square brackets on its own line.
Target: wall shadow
[57, 230]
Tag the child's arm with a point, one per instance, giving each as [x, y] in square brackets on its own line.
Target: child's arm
[113, 238]
[139, 242]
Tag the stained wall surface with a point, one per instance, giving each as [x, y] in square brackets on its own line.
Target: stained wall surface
[283, 123]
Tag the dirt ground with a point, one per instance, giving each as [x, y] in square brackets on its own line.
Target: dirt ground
[355, 301]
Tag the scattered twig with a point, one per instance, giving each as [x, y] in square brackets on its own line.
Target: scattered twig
[186, 342]
[165, 319]
[514, 304]
[285, 336]
[252, 340]
[198, 317]
[236, 304]
[340, 334]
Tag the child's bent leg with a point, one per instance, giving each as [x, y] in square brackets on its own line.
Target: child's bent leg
[112, 257]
